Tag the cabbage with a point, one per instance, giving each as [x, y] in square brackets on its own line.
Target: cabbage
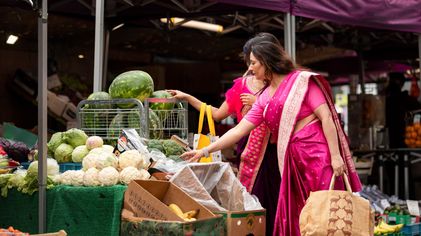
[108, 176]
[75, 137]
[94, 142]
[79, 153]
[52, 168]
[63, 153]
[17, 180]
[54, 142]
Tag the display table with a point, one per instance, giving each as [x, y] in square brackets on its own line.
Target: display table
[77, 210]
[408, 156]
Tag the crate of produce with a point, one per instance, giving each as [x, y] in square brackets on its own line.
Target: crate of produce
[107, 118]
[167, 117]
[63, 166]
[411, 230]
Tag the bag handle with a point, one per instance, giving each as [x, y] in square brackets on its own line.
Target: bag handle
[347, 185]
[210, 120]
[201, 117]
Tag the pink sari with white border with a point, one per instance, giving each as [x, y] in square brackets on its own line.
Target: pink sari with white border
[303, 157]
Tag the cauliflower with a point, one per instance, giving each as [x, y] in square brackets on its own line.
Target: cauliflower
[79, 153]
[131, 173]
[77, 177]
[66, 177]
[89, 161]
[94, 142]
[108, 176]
[56, 179]
[97, 151]
[108, 148]
[105, 160]
[91, 177]
[130, 158]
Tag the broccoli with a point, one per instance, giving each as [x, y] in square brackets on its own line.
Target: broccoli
[155, 144]
[172, 148]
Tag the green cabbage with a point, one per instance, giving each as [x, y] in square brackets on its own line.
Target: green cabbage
[54, 142]
[79, 153]
[75, 137]
[63, 153]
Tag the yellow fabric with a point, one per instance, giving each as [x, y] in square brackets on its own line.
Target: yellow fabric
[203, 140]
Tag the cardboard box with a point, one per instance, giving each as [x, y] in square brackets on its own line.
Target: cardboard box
[146, 206]
[55, 103]
[69, 112]
[245, 222]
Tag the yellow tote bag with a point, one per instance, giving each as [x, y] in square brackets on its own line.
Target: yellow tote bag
[200, 140]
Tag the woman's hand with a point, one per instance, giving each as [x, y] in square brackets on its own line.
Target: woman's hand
[192, 156]
[247, 99]
[178, 94]
[338, 165]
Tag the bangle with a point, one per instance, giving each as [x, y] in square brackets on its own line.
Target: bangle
[205, 151]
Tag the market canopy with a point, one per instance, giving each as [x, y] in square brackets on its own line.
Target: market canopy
[398, 15]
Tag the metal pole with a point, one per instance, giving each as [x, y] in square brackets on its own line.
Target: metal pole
[42, 116]
[397, 175]
[381, 163]
[362, 71]
[406, 175]
[292, 42]
[287, 33]
[419, 52]
[106, 49]
[99, 45]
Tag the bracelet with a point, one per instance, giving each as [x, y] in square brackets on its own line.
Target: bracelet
[205, 151]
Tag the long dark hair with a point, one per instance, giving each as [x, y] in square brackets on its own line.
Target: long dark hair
[274, 58]
[260, 37]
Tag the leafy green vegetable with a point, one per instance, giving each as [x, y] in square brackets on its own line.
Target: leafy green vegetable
[75, 137]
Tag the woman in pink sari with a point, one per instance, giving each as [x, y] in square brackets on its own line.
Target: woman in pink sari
[298, 109]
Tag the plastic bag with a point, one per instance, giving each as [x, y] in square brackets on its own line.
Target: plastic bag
[215, 186]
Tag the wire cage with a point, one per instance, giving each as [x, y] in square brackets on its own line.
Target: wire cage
[167, 117]
[107, 118]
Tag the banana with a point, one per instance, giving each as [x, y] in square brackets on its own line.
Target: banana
[390, 228]
[176, 209]
[191, 214]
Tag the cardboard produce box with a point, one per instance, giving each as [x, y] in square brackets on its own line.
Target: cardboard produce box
[146, 211]
[245, 222]
[215, 186]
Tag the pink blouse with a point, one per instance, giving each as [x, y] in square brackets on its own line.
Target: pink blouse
[232, 97]
[313, 99]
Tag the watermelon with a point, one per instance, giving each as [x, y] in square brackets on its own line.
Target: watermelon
[133, 120]
[99, 96]
[94, 119]
[132, 84]
[158, 105]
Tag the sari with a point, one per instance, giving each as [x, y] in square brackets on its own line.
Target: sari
[303, 157]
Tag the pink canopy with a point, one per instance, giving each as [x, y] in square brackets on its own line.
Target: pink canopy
[397, 15]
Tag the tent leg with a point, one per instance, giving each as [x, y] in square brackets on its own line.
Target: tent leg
[42, 116]
[99, 45]
[289, 35]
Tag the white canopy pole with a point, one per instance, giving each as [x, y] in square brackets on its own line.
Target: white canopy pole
[42, 116]
[99, 45]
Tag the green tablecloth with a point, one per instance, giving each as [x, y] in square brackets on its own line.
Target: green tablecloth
[78, 210]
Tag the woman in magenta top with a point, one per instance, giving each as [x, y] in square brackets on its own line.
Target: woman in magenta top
[298, 109]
